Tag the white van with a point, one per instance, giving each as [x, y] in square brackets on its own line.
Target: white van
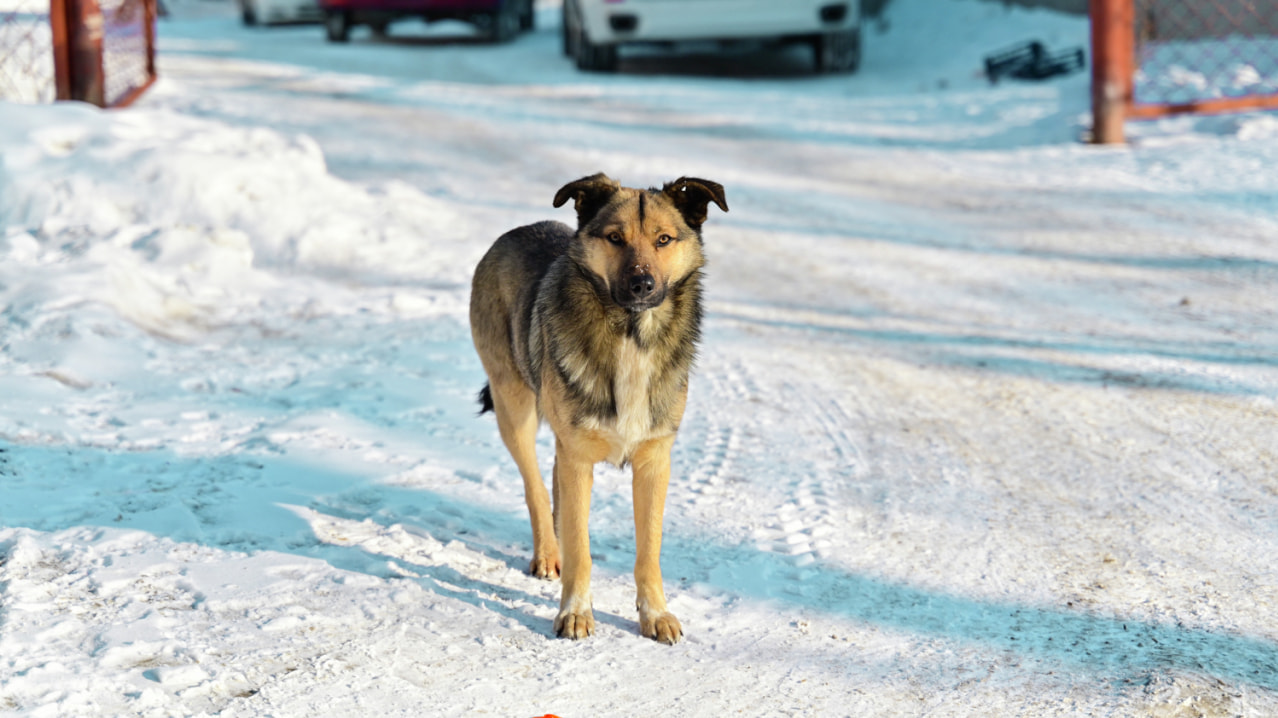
[594, 29]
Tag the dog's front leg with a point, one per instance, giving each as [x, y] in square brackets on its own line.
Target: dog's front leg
[651, 478]
[574, 477]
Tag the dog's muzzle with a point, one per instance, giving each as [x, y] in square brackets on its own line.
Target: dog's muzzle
[639, 292]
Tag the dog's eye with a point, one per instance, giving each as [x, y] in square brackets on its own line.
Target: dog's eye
[616, 238]
[664, 239]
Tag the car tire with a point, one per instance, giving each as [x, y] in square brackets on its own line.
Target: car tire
[838, 52]
[380, 29]
[527, 17]
[592, 57]
[248, 13]
[568, 29]
[337, 26]
[502, 25]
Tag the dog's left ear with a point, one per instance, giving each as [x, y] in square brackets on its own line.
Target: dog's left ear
[589, 195]
[692, 197]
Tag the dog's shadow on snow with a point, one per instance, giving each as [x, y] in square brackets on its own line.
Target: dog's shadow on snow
[272, 503]
[267, 502]
[466, 533]
[1111, 647]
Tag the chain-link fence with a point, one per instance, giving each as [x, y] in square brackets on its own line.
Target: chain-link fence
[127, 58]
[1194, 50]
[1158, 57]
[26, 52]
[98, 51]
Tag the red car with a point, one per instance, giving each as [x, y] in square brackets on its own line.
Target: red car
[498, 20]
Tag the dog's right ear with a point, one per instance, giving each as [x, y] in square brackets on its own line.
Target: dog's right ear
[589, 195]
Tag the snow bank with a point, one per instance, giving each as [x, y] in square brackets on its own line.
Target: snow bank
[173, 221]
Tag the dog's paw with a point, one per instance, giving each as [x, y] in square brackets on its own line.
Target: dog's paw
[662, 627]
[575, 624]
[544, 567]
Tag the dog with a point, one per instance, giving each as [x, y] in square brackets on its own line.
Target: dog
[594, 331]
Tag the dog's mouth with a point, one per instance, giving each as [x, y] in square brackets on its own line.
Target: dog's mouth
[637, 307]
[635, 304]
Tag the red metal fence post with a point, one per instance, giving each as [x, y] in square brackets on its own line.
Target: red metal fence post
[84, 32]
[150, 17]
[1113, 41]
[59, 17]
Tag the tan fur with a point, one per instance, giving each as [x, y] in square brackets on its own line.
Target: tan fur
[594, 332]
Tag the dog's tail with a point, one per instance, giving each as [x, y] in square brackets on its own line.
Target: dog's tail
[485, 399]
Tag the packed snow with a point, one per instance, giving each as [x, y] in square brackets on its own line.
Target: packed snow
[983, 423]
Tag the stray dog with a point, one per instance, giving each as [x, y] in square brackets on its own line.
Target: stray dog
[595, 331]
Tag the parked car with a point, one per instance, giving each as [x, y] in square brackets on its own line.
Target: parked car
[498, 20]
[593, 30]
[272, 12]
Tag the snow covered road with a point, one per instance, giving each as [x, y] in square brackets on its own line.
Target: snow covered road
[983, 423]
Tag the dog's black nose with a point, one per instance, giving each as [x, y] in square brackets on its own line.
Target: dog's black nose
[641, 285]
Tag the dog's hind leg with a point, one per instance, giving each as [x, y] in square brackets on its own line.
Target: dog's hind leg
[516, 408]
[651, 467]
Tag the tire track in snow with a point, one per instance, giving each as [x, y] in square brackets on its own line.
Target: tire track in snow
[806, 518]
[720, 444]
[795, 454]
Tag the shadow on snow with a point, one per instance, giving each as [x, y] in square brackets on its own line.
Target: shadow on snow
[241, 503]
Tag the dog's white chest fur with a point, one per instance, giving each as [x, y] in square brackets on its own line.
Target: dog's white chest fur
[633, 423]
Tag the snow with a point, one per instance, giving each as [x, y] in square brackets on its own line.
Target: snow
[982, 423]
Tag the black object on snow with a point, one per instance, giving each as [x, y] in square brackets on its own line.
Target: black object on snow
[1031, 61]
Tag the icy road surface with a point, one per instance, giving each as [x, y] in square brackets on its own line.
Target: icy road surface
[983, 423]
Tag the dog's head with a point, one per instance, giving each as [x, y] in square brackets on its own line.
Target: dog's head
[637, 243]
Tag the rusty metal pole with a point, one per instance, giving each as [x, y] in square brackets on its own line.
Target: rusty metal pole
[59, 15]
[150, 15]
[85, 27]
[1113, 57]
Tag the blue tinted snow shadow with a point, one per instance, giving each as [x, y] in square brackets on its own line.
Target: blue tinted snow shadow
[241, 503]
[249, 502]
[991, 353]
[1117, 649]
